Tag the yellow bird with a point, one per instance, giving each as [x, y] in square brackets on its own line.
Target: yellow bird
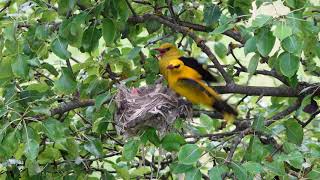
[169, 52]
[188, 83]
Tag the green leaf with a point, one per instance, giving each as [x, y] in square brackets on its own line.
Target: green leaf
[40, 87]
[211, 13]
[255, 151]
[261, 20]
[209, 123]
[20, 67]
[72, 147]
[253, 167]
[54, 129]
[31, 149]
[220, 49]
[258, 123]
[282, 31]
[100, 125]
[253, 64]
[66, 84]
[314, 174]
[295, 159]
[101, 99]
[140, 171]
[130, 149]
[134, 52]
[317, 49]
[193, 174]
[9, 145]
[122, 172]
[294, 131]
[6, 70]
[65, 6]
[180, 168]
[189, 154]
[265, 41]
[289, 64]
[9, 32]
[239, 171]
[152, 26]
[33, 167]
[50, 68]
[276, 167]
[108, 31]
[151, 134]
[59, 47]
[217, 171]
[123, 10]
[292, 44]
[239, 7]
[48, 155]
[250, 45]
[94, 147]
[90, 38]
[172, 142]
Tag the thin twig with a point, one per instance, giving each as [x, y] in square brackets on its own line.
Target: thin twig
[233, 148]
[131, 9]
[173, 15]
[6, 6]
[311, 118]
[284, 113]
[156, 40]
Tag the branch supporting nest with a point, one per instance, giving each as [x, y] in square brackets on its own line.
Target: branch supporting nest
[153, 106]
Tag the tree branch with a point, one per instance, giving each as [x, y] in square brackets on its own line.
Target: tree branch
[284, 113]
[131, 9]
[173, 15]
[196, 27]
[311, 118]
[65, 107]
[234, 146]
[5, 6]
[257, 90]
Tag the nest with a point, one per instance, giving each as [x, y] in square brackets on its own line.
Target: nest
[151, 106]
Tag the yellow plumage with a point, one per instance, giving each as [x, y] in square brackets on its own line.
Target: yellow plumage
[187, 82]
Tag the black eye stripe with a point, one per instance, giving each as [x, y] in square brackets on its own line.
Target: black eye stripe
[177, 66]
[167, 49]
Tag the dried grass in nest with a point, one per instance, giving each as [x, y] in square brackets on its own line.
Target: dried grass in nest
[151, 106]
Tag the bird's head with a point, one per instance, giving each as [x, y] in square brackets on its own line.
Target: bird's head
[168, 50]
[175, 66]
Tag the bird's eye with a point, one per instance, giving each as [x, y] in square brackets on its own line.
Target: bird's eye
[167, 49]
[177, 66]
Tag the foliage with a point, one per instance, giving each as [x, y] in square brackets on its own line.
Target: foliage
[61, 59]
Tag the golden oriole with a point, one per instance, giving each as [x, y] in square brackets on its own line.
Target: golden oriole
[169, 52]
[187, 82]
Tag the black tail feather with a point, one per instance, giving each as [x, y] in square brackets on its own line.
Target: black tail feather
[223, 107]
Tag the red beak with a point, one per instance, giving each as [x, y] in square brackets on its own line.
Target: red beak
[161, 52]
[170, 66]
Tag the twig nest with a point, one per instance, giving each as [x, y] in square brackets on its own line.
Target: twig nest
[151, 106]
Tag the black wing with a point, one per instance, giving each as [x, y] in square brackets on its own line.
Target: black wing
[220, 105]
[194, 64]
[192, 84]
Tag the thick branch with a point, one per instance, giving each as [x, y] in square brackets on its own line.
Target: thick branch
[196, 27]
[65, 107]
[257, 90]
[231, 88]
